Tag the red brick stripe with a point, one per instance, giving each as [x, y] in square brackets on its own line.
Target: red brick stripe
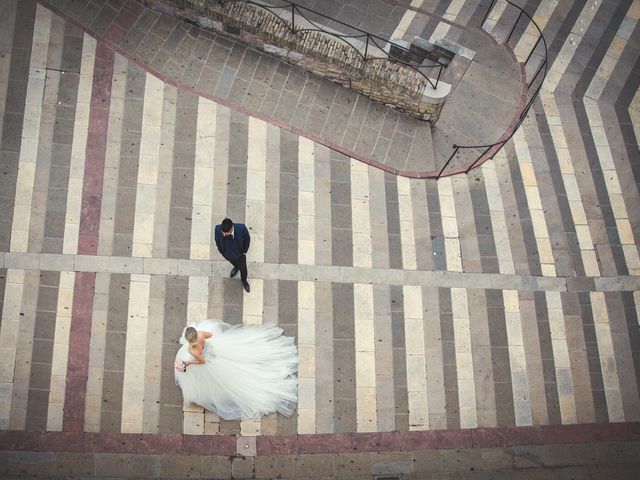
[84, 287]
[157, 444]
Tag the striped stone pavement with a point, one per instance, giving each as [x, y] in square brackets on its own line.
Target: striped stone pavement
[507, 297]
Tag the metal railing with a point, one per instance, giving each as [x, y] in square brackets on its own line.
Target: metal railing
[491, 149]
[371, 45]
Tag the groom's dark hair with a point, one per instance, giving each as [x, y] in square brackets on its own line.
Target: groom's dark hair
[226, 225]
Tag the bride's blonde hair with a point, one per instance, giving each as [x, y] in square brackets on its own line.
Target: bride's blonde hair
[191, 335]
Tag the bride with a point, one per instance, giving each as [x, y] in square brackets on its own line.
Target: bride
[237, 371]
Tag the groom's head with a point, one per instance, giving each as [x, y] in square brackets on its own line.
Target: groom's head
[227, 227]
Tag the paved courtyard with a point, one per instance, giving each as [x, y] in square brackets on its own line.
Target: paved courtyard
[479, 326]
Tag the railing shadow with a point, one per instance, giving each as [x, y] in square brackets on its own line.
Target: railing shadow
[533, 89]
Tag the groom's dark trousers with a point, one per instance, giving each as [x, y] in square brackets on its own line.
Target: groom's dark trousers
[234, 247]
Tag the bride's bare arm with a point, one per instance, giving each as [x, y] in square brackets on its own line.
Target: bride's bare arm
[199, 358]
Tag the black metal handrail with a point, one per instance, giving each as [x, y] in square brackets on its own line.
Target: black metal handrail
[370, 39]
[542, 68]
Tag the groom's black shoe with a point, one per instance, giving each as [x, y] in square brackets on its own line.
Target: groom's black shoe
[234, 270]
[246, 286]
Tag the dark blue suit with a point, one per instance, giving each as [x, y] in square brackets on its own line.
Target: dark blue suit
[234, 247]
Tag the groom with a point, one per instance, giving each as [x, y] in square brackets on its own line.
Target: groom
[232, 240]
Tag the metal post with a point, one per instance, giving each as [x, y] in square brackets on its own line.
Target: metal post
[455, 151]
[293, 25]
[366, 48]
[514, 27]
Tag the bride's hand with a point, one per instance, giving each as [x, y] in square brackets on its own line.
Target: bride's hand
[181, 366]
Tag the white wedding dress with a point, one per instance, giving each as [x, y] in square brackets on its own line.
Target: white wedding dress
[249, 371]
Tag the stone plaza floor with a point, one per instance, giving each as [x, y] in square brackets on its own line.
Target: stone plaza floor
[483, 325]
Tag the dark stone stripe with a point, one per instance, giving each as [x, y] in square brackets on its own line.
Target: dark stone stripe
[435, 224]
[288, 210]
[116, 334]
[341, 233]
[522, 216]
[604, 28]
[184, 148]
[633, 330]
[175, 315]
[548, 363]
[500, 362]
[567, 253]
[129, 158]
[237, 180]
[344, 359]
[399, 359]
[288, 321]
[578, 357]
[564, 18]
[467, 233]
[484, 227]
[622, 353]
[39, 382]
[622, 104]
[552, 195]
[393, 221]
[65, 113]
[14, 115]
[593, 358]
[449, 359]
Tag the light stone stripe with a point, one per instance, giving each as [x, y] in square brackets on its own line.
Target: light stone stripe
[496, 211]
[135, 356]
[464, 359]
[564, 380]
[221, 165]
[147, 181]
[60, 356]
[366, 410]
[450, 14]
[28, 159]
[201, 232]
[534, 202]
[517, 358]
[307, 353]
[135, 362]
[603, 148]
[7, 26]
[253, 304]
[530, 36]
[78, 147]
[415, 358]
[515, 341]
[408, 16]
[608, 363]
[434, 360]
[165, 171]
[22, 371]
[449, 225]
[322, 189]
[571, 44]
[361, 215]
[578, 214]
[11, 308]
[407, 238]
[306, 202]
[112, 155]
[197, 309]
[494, 15]
[97, 345]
